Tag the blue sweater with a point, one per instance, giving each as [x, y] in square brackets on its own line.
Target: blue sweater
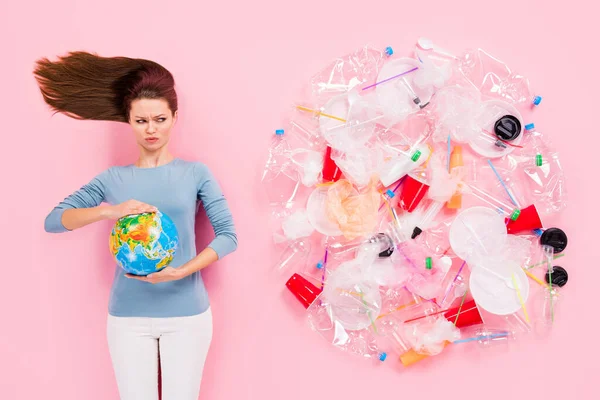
[175, 189]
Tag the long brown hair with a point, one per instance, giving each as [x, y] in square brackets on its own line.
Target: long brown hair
[83, 85]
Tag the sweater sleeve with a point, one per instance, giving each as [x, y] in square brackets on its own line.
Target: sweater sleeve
[91, 194]
[218, 212]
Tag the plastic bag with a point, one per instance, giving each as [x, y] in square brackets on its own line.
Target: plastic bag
[355, 213]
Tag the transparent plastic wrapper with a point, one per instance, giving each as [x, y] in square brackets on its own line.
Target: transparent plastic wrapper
[297, 226]
[430, 338]
[347, 121]
[346, 73]
[308, 164]
[407, 133]
[361, 164]
[364, 342]
[398, 93]
[456, 109]
[493, 78]
[346, 311]
[355, 213]
[438, 64]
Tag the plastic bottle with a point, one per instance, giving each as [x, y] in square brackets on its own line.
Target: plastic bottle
[279, 176]
[486, 337]
[295, 254]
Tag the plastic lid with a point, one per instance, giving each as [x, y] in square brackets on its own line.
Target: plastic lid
[382, 356]
[320, 265]
[537, 100]
[507, 127]
[530, 127]
[554, 237]
[559, 276]
[279, 132]
[390, 193]
[389, 51]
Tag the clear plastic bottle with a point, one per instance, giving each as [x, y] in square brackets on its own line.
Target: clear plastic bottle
[279, 177]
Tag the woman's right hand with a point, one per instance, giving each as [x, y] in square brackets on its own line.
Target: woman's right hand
[129, 207]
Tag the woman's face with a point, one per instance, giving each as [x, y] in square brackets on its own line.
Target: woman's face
[152, 121]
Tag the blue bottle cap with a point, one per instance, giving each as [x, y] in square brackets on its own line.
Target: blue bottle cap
[390, 193]
[530, 126]
[389, 51]
[537, 100]
[320, 265]
[538, 232]
[382, 356]
[279, 132]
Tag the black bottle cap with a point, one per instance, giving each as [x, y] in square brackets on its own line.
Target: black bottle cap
[555, 238]
[559, 276]
[507, 127]
[416, 232]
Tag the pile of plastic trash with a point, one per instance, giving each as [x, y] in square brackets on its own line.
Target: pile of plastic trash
[411, 199]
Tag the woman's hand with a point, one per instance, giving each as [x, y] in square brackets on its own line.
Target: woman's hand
[129, 207]
[164, 275]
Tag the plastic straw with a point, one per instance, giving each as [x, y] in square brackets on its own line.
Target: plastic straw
[425, 316]
[389, 79]
[320, 113]
[535, 278]
[460, 307]
[503, 184]
[324, 269]
[544, 262]
[520, 297]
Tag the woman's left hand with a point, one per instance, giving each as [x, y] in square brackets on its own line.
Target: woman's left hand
[164, 275]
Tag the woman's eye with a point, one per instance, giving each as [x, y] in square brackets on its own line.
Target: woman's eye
[162, 119]
[140, 121]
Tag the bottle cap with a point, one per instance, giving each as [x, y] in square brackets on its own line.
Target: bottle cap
[537, 100]
[507, 127]
[555, 238]
[279, 132]
[530, 127]
[389, 51]
[559, 276]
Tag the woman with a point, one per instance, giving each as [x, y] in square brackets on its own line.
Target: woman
[166, 313]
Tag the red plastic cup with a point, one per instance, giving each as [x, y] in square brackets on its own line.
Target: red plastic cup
[469, 315]
[331, 172]
[304, 291]
[528, 220]
[412, 193]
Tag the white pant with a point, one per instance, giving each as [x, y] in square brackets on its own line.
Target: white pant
[135, 345]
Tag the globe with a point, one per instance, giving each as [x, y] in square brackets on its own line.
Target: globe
[144, 243]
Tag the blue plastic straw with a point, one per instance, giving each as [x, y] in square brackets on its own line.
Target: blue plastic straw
[472, 339]
[503, 184]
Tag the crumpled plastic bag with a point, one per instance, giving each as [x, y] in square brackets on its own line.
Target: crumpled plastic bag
[355, 213]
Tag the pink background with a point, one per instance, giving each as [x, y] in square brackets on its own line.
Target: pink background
[238, 67]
